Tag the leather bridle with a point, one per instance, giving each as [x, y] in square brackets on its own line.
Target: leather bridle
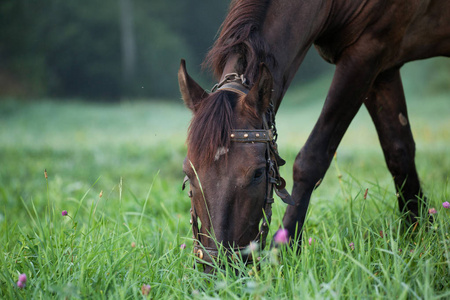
[268, 135]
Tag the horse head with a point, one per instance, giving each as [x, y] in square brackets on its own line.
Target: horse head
[232, 162]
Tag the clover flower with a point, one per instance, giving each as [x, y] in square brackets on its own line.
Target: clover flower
[352, 246]
[22, 281]
[281, 237]
[64, 213]
[183, 246]
[432, 211]
[145, 289]
[20, 284]
[446, 204]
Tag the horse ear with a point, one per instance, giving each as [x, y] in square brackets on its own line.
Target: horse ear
[190, 90]
[259, 97]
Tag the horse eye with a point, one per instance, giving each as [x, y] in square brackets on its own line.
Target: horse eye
[258, 175]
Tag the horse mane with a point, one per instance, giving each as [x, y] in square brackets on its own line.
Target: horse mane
[211, 127]
[241, 34]
[212, 123]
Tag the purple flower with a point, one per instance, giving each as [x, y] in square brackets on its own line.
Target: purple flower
[23, 278]
[432, 211]
[183, 246]
[145, 289]
[446, 204]
[20, 284]
[281, 237]
[352, 246]
[64, 213]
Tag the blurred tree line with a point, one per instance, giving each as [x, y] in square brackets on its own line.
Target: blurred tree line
[103, 49]
[109, 49]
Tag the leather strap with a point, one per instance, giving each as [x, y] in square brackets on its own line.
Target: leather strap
[251, 136]
[234, 87]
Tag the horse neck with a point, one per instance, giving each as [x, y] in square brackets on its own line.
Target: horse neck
[290, 28]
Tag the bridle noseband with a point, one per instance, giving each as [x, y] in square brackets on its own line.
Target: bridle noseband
[268, 135]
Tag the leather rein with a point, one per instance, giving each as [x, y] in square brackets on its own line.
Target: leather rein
[268, 135]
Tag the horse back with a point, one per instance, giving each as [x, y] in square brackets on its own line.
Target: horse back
[397, 30]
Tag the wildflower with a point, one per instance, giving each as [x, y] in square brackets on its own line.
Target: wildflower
[253, 246]
[310, 241]
[352, 246]
[446, 204]
[145, 289]
[64, 213]
[20, 284]
[23, 278]
[281, 237]
[133, 244]
[183, 246]
[432, 211]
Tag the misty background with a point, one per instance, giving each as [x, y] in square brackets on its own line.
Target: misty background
[109, 50]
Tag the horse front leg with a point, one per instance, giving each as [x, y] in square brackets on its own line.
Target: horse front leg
[387, 107]
[351, 83]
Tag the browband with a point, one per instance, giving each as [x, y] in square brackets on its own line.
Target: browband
[252, 135]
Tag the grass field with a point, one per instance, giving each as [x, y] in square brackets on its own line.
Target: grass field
[116, 170]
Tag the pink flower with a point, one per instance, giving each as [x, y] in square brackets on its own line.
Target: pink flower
[281, 237]
[64, 213]
[446, 204]
[352, 246]
[432, 211]
[182, 246]
[145, 289]
[310, 241]
[20, 284]
[23, 278]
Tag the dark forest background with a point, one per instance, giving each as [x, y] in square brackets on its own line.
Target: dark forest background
[119, 49]
[108, 49]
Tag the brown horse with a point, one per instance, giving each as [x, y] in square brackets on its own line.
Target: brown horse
[261, 45]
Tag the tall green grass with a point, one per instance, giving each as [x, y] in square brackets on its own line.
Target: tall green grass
[116, 169]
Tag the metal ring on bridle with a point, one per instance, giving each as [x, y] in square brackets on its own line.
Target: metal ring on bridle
[229, 78]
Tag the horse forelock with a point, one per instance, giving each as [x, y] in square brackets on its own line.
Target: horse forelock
[211, 127]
